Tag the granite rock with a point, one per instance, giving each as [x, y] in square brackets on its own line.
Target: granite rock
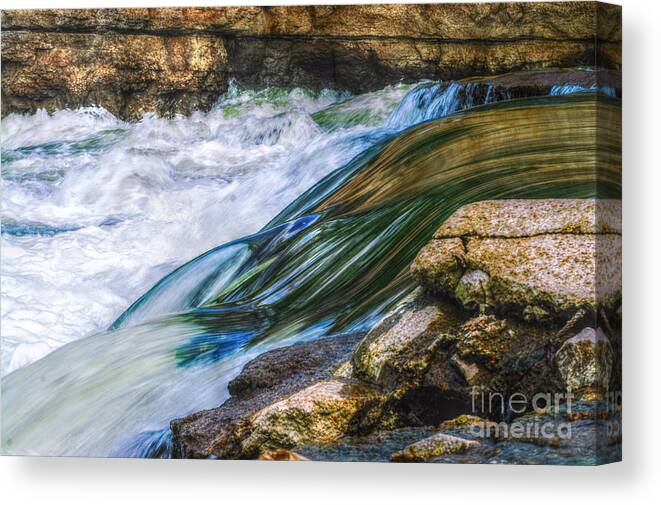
[437, 445]
[539, 259]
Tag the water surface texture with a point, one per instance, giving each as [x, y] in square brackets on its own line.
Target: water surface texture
[311, 235]
[95, 210]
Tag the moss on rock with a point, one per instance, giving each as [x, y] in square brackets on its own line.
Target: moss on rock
[437, 445]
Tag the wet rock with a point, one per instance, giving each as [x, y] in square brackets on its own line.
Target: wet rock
[585, 362]
[429, 359]
[553, 437]
[397, 351]
[575, 426]
[465, 424]
[530, 439]
[270, 377]
[437, 445]
[306, 363]
[176, 60]
[440, 265]
[281, 455]
[537, 259]
[321, 413]
[489, 357]
[345, 370]
[376, 446]
[472, 290]
[425, 361]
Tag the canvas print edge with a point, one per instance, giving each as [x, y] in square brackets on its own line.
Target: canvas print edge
[435, 277]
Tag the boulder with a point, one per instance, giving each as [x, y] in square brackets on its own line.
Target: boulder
[466, 424]
[491, 356]
[428, 358]
[272, 376]
[538, 259]
[437, 445]
[320, 413]
[585, 362]
[440, 265]
[397, 351]
[526, 218]
[303, 363]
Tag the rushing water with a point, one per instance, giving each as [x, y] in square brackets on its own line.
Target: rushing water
[95, 209]
[91, 220]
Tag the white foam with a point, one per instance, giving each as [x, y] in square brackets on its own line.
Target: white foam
[141, 199]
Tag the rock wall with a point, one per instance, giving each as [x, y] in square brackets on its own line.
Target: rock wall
[177, 60]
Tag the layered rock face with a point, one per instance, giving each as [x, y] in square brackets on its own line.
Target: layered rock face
[126, 74]
[467, 368]
[179, 60]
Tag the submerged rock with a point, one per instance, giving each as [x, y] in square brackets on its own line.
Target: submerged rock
[437, 445]
[584, 362]
[539, 259]
[376, 446]
[561, 439]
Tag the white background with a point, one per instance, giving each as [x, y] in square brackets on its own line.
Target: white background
[636, 480]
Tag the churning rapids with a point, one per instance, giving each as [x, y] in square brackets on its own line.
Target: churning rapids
[320, 201]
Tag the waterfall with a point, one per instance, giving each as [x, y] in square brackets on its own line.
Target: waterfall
[353, 204]
[96, 209]
[434, 100]
[568, 89]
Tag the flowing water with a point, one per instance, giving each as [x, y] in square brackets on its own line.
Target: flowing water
[95, 210]
[93, 224]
